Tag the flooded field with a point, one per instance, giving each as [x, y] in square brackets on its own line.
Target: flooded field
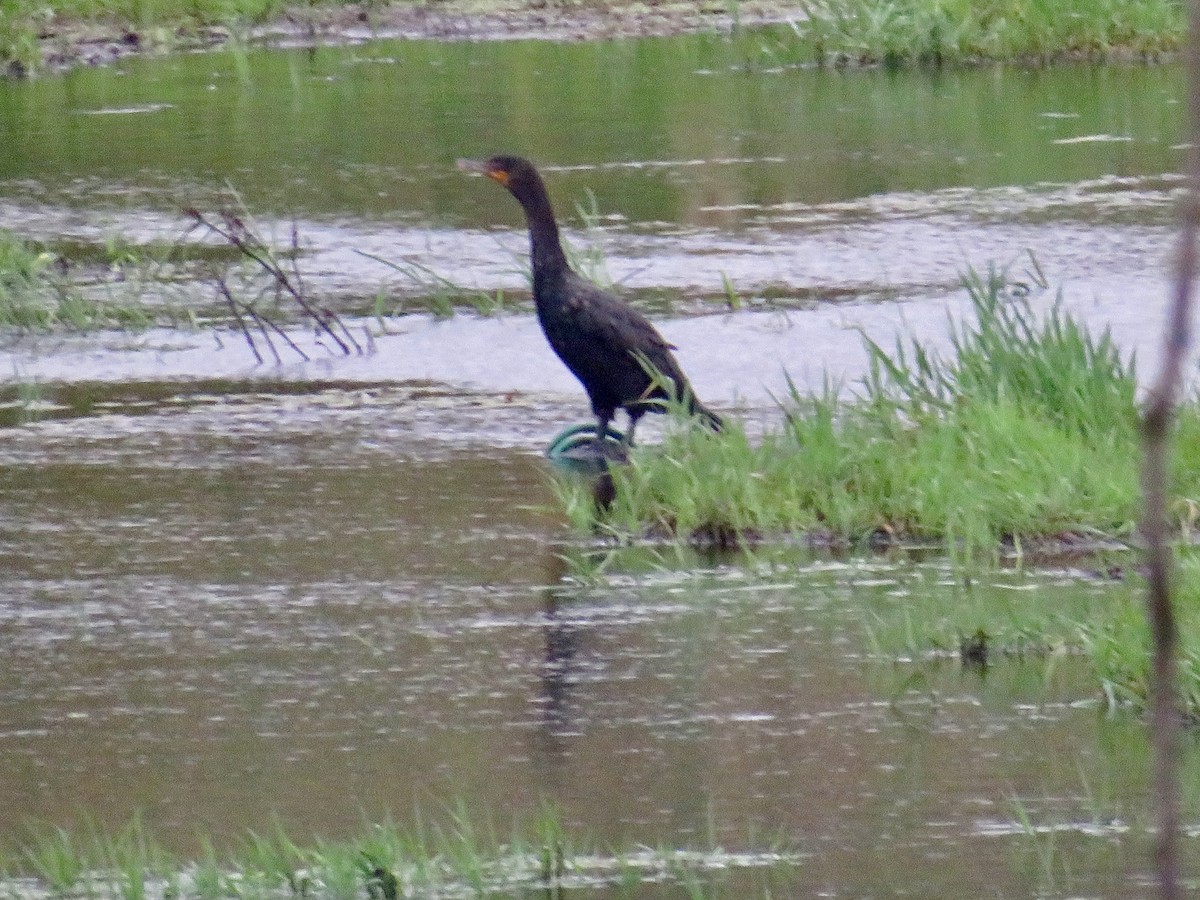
[342, 589]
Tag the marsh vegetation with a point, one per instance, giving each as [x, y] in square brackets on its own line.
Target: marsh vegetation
[819, 32]
[449, 854]
[1025, 430]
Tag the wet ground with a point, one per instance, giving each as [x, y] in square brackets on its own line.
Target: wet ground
[333, 589]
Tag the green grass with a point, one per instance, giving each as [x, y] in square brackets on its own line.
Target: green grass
[455, 855]
[1026, 429]
[1119, 644]
[438, 295]
[20, 21]
[898, 33]
[157, 23]
[1101, 620]
[34, 296]
[888, 32]
[141, 13]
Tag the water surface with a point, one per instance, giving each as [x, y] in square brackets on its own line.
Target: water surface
[332, 590]
[226, 607]
[703, 158]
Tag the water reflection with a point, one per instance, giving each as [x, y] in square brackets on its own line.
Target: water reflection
[683, 127]
[800, 185]
[558, 673]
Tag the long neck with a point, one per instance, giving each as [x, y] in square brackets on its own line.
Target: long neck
[545, 248]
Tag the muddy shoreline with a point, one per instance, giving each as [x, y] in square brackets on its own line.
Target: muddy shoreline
[66, 44]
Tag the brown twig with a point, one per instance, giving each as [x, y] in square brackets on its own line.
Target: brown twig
[234, 230]
[223, 290]
[284, 335]
[324, 315]
[1156, 428]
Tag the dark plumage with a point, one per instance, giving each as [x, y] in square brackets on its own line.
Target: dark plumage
[603, 341]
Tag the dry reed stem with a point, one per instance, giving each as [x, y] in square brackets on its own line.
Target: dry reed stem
[1165, 722]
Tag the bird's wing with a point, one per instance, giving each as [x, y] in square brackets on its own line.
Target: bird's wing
[611, 321]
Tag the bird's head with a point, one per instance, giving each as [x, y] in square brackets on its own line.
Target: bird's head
[514, 172]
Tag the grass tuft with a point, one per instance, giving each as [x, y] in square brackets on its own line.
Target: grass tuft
[1026, 429]
[36, 295]
[900, 33]
[459, 854]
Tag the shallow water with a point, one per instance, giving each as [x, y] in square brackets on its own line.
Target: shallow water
[226, 607]
[829, 200]
[329, 590]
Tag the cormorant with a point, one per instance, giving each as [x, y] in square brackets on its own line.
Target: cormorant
[605, 342]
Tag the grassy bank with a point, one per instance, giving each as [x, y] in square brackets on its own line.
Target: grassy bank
[1026, 429]
[454, 855]
[888, 32]
[1023, 436]
[35, 32]
[937, 32]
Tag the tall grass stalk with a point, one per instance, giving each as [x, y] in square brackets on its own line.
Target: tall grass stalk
[589, 261]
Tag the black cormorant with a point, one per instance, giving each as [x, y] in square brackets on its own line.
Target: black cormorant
[606, 343]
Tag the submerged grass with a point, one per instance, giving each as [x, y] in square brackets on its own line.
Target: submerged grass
[458, 855]
[1027, 429]
[1120, 645]
[1102, 621]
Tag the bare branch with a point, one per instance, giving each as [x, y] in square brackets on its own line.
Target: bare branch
[239, 232]
[262, 322]
[223, 290]
[286, 337]
[1156, 426]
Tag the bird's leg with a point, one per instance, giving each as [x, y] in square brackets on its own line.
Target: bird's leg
[633, 420]
[605, 450]
[602, 420]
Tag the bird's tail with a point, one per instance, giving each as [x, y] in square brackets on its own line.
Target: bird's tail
[707, 416]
